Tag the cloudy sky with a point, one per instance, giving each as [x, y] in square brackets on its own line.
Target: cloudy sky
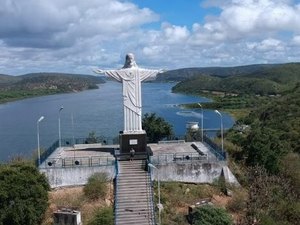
[75, 36]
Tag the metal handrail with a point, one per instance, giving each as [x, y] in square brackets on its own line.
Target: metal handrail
[116, 191]
[151, 194]
[215, 149]
[178, 157]
[78, 161]
[48, 152]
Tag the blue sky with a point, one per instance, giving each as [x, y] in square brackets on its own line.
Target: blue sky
[179, 12]
[75, 36]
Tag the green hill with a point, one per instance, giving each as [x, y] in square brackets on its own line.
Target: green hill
[37, 84]
[6, 79]
[268, 81]
[187, 73]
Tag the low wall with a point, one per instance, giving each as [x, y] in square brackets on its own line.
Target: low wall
[191, 172]
[59, 177]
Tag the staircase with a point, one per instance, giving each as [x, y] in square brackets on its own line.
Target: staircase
[133, 194]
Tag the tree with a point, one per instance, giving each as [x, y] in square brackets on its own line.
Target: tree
[210, 215]
[23, 194]
[156, 127]
[271, 199]
[104, 216]
[96, 186]
[264, 147]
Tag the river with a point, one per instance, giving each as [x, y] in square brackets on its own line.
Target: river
[98, 110]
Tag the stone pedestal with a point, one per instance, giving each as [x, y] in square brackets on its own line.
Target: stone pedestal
[137, 141]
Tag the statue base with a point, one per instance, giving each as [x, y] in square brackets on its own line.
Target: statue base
[135, 140]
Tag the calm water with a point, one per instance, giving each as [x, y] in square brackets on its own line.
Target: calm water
[94, 110]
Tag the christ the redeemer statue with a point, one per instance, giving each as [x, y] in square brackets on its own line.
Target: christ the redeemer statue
[131, 77]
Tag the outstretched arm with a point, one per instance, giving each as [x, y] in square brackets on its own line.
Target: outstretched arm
[149, 74]
[112, 73]
[99, 71]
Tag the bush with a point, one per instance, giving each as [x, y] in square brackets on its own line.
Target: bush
[96, 186]
[209, 215]
[104, 216]
[23, 194]
[156, 127]
[238, 202]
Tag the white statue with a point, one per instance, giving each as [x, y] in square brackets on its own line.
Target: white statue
[131, 76]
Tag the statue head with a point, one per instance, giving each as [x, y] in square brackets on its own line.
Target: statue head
[129, 61]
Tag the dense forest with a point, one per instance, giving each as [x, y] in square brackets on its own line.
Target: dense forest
[264, 144]
[268, 81]
[187, 73]
[37, 84]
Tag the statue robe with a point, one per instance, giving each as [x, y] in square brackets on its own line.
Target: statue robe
[131, 79]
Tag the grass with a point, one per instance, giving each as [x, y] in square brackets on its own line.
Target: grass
[176, 197]
[73, 197]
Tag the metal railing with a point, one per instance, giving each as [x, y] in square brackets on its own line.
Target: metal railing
[48, 152]
[215, 149]
[187, 157]
[152, 205]
[89, 140]
[116, 191]
[78, 162]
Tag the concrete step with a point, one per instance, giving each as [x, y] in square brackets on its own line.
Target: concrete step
[142, 196]
[132, 185]
[136, 215]
[131, 170]
[136, 201]
[133, 198]
[131, 165]
[131, 211]
[133, 176]
[135, 180]
[133, 222]
[134, 162]
[133, 194]
[131, 206]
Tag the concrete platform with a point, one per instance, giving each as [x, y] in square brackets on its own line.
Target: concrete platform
[176, 160]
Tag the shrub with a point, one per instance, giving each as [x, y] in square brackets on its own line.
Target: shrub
[238, 202]
[23, 194]
[104, 216]
[209, 215]
[96, 186]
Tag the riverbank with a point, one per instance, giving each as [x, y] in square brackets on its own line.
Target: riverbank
[238, 106]
[16, 95]
[13, 88]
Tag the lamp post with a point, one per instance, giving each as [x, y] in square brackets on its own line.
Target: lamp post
[59, 132]
[201, 121]
[38, 137]
[222, 139]
[159, 205]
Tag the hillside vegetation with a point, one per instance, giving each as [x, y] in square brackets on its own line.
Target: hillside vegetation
[37, 84]
[187, 73]
[264, 144]
[270, 81]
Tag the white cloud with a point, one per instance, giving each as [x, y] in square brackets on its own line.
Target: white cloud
[255, 17]
[267, 45]
[75, 35]
[296, 40]
[59, 23]
[174, 34]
